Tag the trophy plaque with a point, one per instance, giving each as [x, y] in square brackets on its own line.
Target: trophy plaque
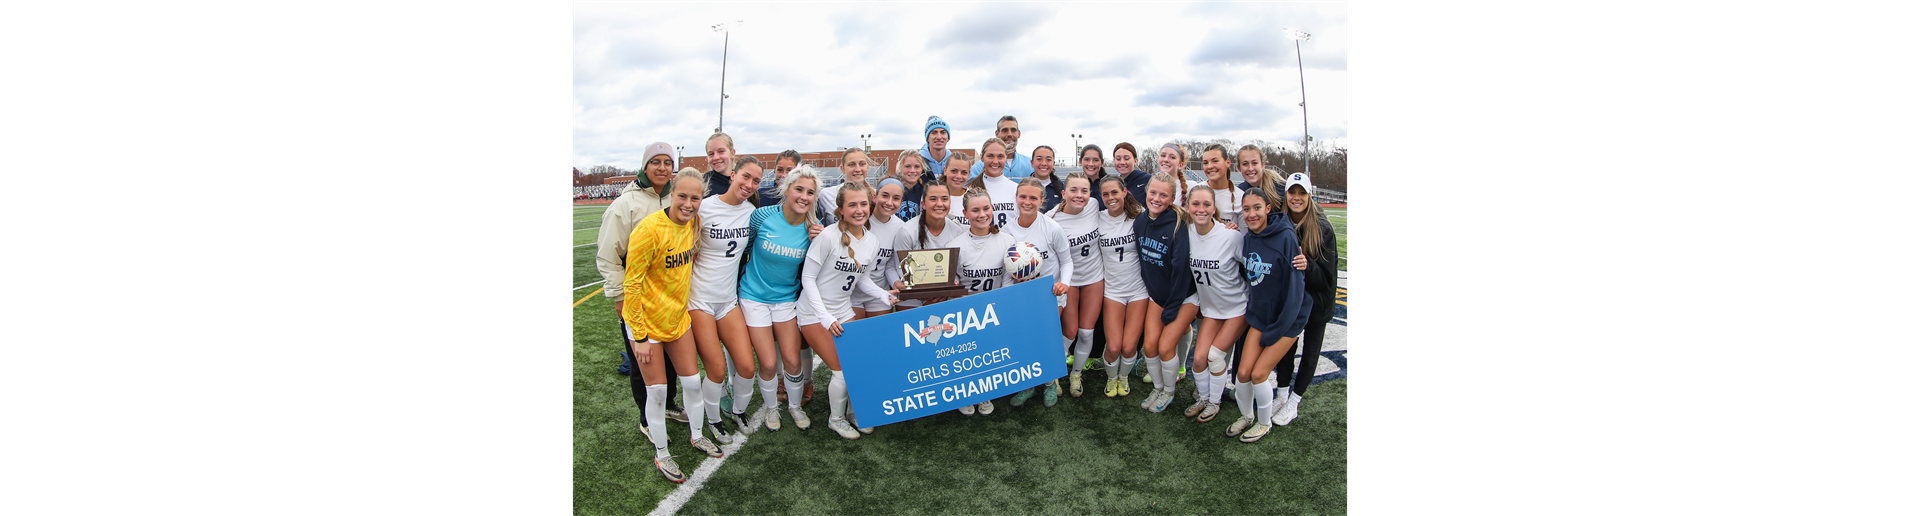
[930, 273]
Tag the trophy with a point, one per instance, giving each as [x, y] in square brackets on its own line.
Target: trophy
[930, 273]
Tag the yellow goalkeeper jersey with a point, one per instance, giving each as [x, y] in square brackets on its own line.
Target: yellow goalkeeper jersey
[659, 278]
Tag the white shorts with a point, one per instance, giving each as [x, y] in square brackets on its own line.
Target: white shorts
[1060, 300]
[869, 303]
[1125, 297]
[715, 310]
[761, 315]
[807, 318]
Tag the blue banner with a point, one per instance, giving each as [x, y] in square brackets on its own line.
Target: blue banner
[944, 356]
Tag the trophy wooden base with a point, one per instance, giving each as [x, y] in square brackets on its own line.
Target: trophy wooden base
[932, 292]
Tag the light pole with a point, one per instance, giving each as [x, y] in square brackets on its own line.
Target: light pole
[1305, 140]
[1076, 147]
[863, 144]
[677, 152]
[725, 41]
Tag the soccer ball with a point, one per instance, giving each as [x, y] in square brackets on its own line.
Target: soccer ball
[1023, 261]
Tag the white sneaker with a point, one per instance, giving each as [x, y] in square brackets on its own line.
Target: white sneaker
[966, 410]
[1239, 426]
[843, 428]
[800, 420]
[855, 423]
[772, 416]
[1153, 397]
[1165, 398]
[986, 407]
[1288, 410]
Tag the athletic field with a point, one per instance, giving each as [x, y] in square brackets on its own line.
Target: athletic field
[1085, 455]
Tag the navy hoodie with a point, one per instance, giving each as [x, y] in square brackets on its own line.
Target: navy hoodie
[1277, 301]
[1136, 182]
[1163, 261]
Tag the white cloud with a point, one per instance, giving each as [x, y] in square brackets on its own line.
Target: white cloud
[814, 76]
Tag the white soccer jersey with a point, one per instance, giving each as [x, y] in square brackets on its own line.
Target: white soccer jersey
[1001, 191]
[1120, 256]
[1227, 202]
[1045, 235]
[724, 229]
[1083, 233]
[885, 269]
[909, 239]
[830, 275]
[983, 264]
[1218, 281]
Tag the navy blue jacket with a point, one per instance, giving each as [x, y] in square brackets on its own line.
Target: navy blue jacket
[1322, 274]
[1277, 301]
[1163, 261]
[1137, 186]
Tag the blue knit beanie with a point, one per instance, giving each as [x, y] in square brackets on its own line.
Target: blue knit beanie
[934, 122]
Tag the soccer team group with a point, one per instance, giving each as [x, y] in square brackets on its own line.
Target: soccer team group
[711, 273]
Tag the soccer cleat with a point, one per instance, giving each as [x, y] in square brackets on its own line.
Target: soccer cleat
[1123, 383]
[668, 468]
[986, 407]
[1194, 410]
[1206, 415]
[644, 433]
[1165, 398]
[739, 423]
[966, 410]
[721, 433]
[843, 428]
[1182, 375]
[1073, 384]
[1113, 387]
[1239, 425]
[1152, 398]
[807, 397]
[1258, 431]
[1052, 393]
[1144, 378]
[1020, 398]
[856, 424]
[676, 414]
[772, 415]
[705, 445]
[1288, 410]
[800, 420]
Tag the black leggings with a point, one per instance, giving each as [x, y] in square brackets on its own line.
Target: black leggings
[640, 384]
[1309, 358]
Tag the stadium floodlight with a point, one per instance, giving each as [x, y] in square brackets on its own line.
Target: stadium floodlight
[863, 144]
[725, 41]
[1305, 140]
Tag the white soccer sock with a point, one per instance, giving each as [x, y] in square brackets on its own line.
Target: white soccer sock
[793, 389]
[656, 414]
[742, 393]
[1263, 402]
[694, 401]
[1180, 353]
[1082, 348]
[837, 397]
[1218, 384]
[1153, 370]
[712, 390]
[1113, 368]
[1243, 397]
[1201, 386]
[1126, 367]
[767, 395]
[1066, 346]
[806, 365]
[1170, 370]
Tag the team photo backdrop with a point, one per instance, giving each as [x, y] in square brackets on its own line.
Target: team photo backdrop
[941, 357]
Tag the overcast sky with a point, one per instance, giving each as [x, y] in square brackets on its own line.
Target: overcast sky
[814, 76]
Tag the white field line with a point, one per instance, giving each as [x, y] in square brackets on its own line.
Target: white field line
[577, 289]
[584, 229]
[584, 245]
[680, 495]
